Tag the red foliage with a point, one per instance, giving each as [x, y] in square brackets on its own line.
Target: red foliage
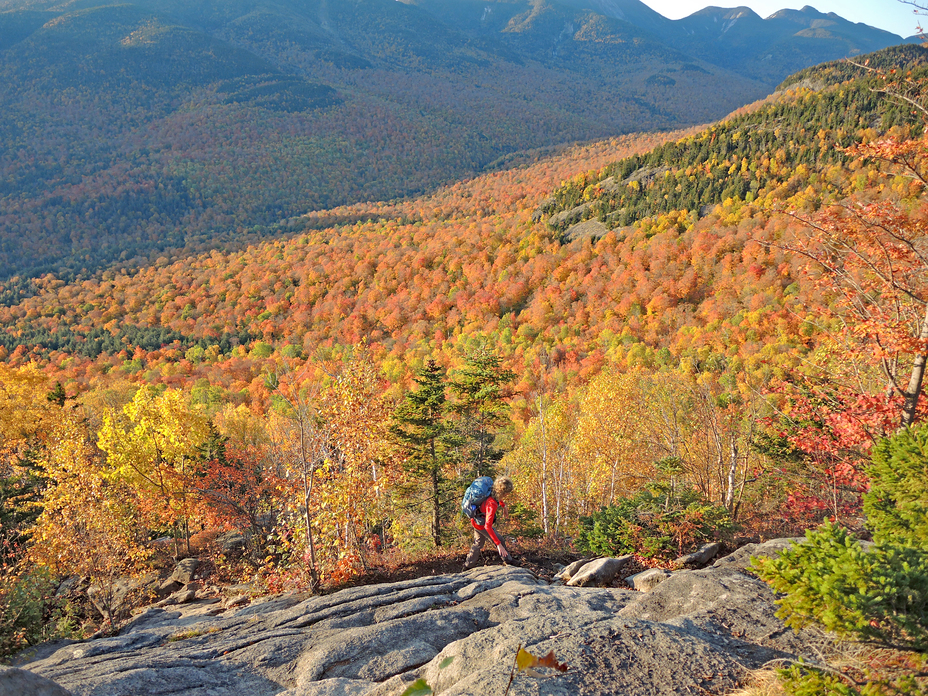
[235, 489]
[831, 432]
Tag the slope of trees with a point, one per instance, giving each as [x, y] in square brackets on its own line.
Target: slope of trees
[730, 374]
[470, 263]
[789, 146]
[160, 129]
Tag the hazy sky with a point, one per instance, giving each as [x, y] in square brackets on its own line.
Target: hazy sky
[885, 14]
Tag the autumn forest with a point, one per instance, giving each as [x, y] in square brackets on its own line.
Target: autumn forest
[717, 323]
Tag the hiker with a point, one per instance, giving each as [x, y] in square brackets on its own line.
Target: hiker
[482, 522]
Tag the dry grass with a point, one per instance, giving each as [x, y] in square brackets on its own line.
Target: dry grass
[850, 661]
[761, 682]
[193, 633]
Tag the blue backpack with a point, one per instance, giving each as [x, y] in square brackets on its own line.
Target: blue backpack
[475, 496]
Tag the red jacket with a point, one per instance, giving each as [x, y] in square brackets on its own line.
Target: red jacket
[488, 510]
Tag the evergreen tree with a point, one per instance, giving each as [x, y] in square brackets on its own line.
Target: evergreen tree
[897, 503]
[57, 395]
[876, 595]
[213, 448]
[20, 495]
[422, 427]
[481, 388]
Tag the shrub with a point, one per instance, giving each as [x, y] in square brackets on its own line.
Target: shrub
[524, 522]
[653, 524]
[25, 597]
[877, 596]
[897, 504]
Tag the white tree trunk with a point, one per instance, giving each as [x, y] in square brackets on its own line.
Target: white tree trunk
[914, 390]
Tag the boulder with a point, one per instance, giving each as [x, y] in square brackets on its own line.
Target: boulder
[20, 682]
[185, 571]
[169, 586]
[231, 544]
[122, 594]
[698, 631]
[237, 600]
[599, 573]
[740, 559]
[647, 580]
[568, 572]
[68, 585]
[699, 558]
[182, 596]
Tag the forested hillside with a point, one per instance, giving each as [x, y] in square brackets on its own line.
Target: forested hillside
[663, 339]
[470, 263]
[132, 131]
[792, 145]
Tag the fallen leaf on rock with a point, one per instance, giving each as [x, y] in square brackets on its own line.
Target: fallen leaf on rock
[526, 662]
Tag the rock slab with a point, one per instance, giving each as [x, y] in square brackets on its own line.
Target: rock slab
[20, 682]
[698, 631]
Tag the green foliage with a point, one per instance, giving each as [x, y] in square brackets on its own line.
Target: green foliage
[261, 350]
[420, 687]
[423, 429]
[805, 680]
[810, 682]
[840, 71]
[57, 395]
[525, 521]
[653, 523]
[421, 424]
[775, 152]
[876, 595]
[482, 391]
[897, 504]
[20, 493]
[96, 341]
[26, 598]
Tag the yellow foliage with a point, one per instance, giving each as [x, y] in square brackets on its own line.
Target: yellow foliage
[608, 436]
[150, 441]
[90, 524]
[241, 425]
[24, 410]
[151, 432]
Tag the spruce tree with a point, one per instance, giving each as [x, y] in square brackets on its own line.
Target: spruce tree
[876, 595]
[897, 503]
[422, 428]
[481, 389]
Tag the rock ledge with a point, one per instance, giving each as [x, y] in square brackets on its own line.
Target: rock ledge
[696, 631]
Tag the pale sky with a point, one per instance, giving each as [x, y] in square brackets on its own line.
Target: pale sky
[890, 15]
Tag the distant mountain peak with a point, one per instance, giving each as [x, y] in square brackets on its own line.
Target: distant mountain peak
[805, 15]
[720, 13]
[631, 11]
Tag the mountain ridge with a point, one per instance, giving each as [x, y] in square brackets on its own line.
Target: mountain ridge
[132, 130]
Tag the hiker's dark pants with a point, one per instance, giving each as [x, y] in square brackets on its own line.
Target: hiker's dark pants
[481, 536]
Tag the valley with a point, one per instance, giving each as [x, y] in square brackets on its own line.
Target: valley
[164, 128]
